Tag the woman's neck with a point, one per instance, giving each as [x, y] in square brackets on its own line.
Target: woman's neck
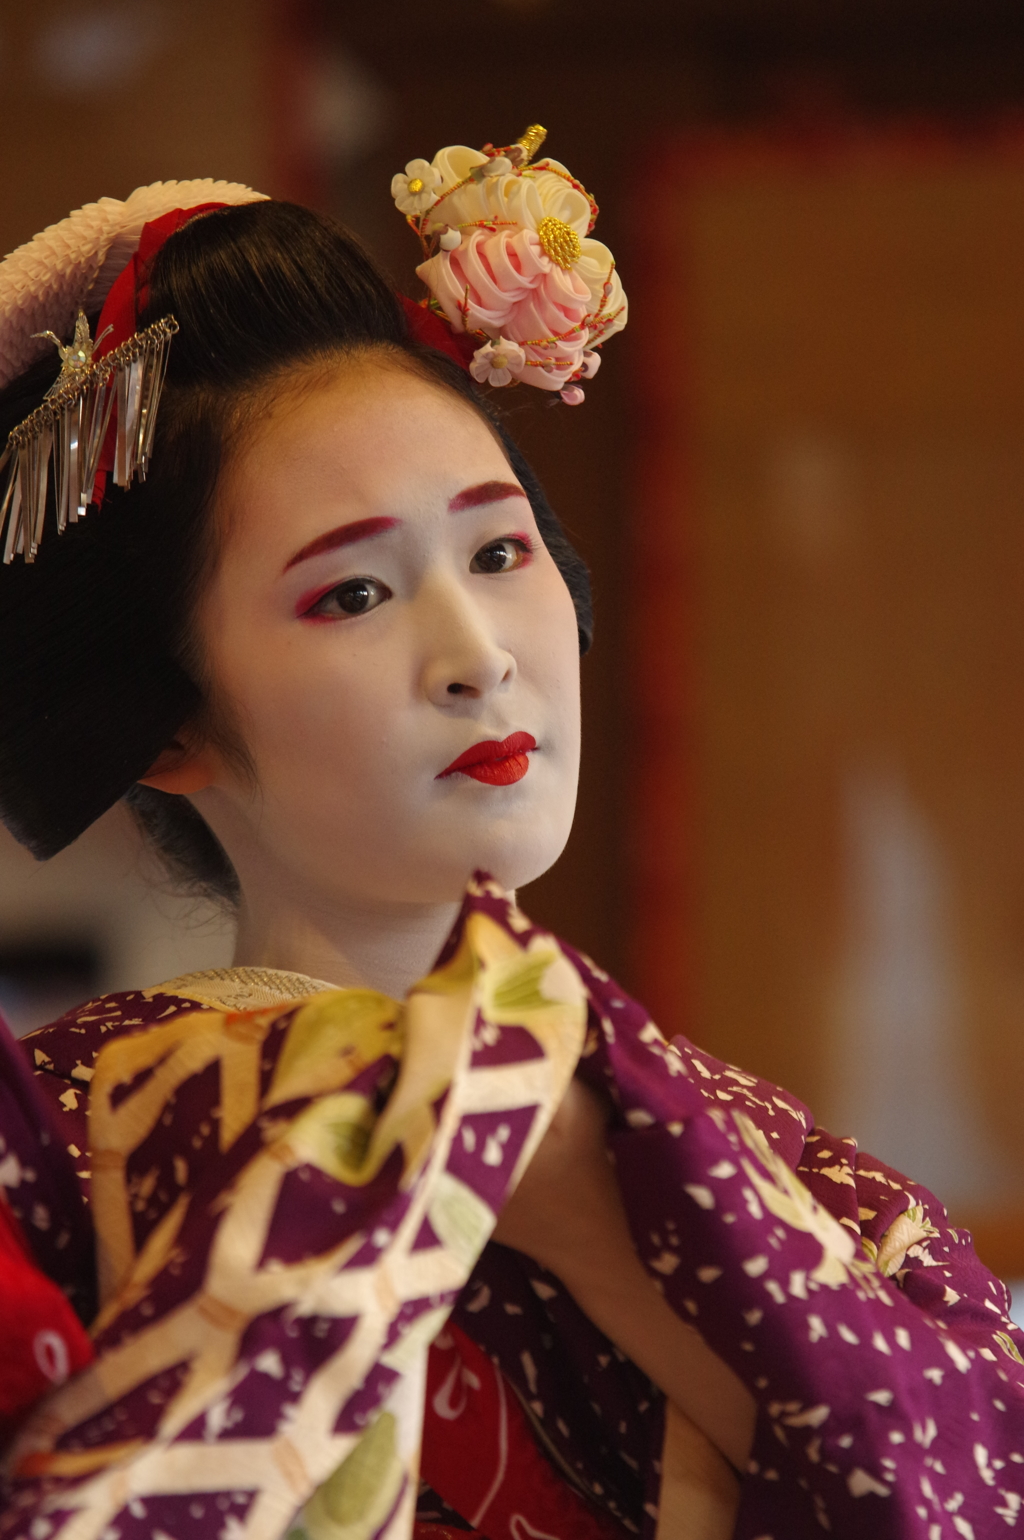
[353, 947]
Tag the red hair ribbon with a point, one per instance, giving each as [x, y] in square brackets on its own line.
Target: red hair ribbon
[431, 331]
[129, 296]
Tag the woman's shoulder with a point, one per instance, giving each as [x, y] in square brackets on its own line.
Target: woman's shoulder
[68, 1047]
[663, 1084]
[63, 1056]
[631, 1048]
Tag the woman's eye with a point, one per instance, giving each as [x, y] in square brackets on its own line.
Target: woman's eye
[502, 555]
[354, 597]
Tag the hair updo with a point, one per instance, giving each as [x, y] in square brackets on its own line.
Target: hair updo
[98, 663]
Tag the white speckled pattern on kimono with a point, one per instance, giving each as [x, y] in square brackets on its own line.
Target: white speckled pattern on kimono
[888, 1377]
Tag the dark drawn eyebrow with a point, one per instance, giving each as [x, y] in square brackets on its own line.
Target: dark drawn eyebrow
[345, 534]
[365, 529]
[484, 492]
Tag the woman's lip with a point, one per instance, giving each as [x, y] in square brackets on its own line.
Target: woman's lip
[496, 763]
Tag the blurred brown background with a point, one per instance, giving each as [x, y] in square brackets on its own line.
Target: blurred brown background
[799, 482]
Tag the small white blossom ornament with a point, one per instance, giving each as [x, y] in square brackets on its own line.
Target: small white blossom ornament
[498, 363]
[497, 165]
[415, 190]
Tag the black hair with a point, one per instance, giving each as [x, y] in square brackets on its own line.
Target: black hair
[98, 663]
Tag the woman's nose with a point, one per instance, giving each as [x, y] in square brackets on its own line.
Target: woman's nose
[464, 659]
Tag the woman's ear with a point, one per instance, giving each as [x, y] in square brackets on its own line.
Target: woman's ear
[186, 765]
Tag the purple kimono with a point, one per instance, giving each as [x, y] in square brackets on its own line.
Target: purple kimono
[290, 1198]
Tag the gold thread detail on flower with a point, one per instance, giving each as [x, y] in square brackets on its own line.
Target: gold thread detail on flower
[559, 240]
[452, 217]
[531, 141]
[416, 185]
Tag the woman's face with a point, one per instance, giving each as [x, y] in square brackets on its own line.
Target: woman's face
[382, 604]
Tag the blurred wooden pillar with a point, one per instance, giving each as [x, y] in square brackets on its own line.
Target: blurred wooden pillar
[831, 634]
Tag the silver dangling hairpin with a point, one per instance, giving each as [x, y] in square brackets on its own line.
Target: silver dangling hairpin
[70, 428]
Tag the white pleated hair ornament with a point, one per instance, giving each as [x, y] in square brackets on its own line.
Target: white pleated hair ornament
[47, 287]
[509, 261]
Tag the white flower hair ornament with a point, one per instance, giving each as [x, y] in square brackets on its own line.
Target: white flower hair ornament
[508, 259]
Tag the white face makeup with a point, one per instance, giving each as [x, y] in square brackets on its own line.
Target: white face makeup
[383, 603]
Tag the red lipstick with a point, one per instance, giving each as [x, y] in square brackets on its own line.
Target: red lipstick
[494, 763]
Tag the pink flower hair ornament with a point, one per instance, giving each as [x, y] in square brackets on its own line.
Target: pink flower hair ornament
[508, 260]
